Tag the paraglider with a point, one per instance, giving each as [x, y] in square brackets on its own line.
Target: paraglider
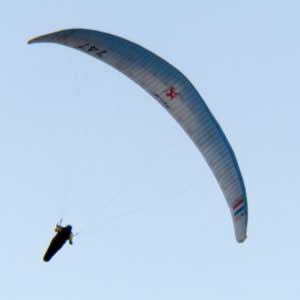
[63, 234]
[178, 96]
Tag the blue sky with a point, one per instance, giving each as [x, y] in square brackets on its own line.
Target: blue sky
[81, 141]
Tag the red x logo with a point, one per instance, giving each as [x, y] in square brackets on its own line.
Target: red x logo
[171, 93]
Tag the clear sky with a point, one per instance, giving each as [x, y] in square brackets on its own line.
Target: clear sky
[79, 140]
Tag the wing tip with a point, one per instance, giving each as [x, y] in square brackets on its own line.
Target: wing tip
[54, 36]
[241, 240]
[41, 38]
[38, 39]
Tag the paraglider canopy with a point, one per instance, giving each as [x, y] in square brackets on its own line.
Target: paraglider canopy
[178, 96]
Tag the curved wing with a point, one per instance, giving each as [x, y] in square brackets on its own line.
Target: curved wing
[176, 93]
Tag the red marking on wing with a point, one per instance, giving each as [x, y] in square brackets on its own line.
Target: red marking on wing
[237, 204]
[171, 93]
